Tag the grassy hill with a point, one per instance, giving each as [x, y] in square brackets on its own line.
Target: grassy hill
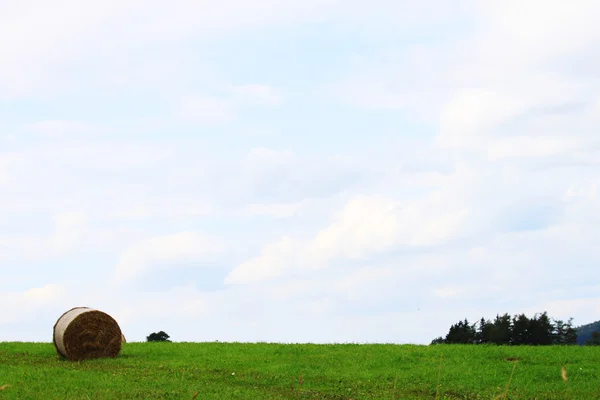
[584, 332]
[276, 371]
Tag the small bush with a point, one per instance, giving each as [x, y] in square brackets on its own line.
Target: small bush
[158, 337]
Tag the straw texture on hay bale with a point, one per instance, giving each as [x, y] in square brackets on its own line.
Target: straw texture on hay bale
[83, 333]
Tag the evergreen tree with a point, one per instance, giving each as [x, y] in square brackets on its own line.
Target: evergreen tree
[520, 330]
[501, 330]
[461, 332]
[484, 330]
[564, 333]
[570, 333]
[438, 340]
[541, 330]
[559, 332]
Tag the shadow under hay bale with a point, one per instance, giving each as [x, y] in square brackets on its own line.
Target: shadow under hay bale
[83, 333]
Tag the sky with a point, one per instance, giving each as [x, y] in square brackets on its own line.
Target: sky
[298, 171]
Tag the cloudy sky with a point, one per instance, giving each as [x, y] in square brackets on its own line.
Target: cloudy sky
[298, 170]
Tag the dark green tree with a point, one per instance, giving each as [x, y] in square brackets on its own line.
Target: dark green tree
[541, 330]
[501, 332]
[438, 340]
[461, 332]
[158, 337]
[569, 332]
[559, 334]
[484, 332]
[520, 330]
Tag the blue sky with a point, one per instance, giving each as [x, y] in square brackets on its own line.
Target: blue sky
[298, 171]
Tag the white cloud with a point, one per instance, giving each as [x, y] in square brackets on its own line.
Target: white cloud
[65, 48]
[269, 175]
[447, 291]
[366, 226]
[583, 192]
[267, 265]
[278, 210]
[31, 301]
[458, 82]
[256, 94]
[211, 109]
[42, 36]
[265, 158]
[70, 228]
[527, 146]
[68, 235]
[204, 109]
[44, 294]
[5, 166]
[540, 29]
[467, 117]
[475, 116]
[63, 128]
[582, 310]
[371, 224]
[166, 207]
[160, 250]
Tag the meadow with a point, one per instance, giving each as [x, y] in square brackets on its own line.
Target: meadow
[303, 371]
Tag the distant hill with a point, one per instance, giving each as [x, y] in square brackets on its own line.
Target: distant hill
[584, 332]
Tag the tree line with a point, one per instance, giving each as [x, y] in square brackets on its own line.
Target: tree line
[541, 330]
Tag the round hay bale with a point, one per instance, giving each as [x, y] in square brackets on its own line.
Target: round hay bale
[83, 333]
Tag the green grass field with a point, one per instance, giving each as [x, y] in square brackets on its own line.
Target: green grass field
[276, 371]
